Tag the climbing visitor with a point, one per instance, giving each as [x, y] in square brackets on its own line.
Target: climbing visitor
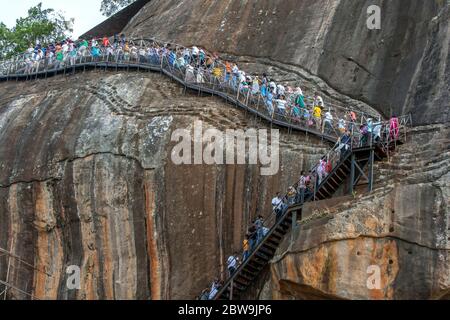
[394, 128]
[363, 131]
[199, 78]
[259, 224]
[72, 55]
[318, 101]
[317, 114]
[269, 103]
[232, 264]
[105, 42]
[123, 40]
[214, 289]
[296, 114]
[342, 125]
[202, 57]
[345, 144]
[277, 205]
[255, 86]
[59, 58]
[302, 188]
[281, 90]
[291, 196]
[246, 247]
[377, 132]
[321, 173]
[204, 295]
[195, 53]
[328, 122]
[190, 75]
[300, 99]
[281, 105]
[253, 236]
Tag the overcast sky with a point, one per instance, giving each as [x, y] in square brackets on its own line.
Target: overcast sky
[86, 12]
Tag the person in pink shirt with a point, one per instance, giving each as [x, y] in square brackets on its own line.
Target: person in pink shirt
[394, 129]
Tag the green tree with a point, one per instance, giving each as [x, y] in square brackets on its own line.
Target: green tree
[42, 25]
[110, 7]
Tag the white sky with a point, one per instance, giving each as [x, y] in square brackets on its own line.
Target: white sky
[86, 12]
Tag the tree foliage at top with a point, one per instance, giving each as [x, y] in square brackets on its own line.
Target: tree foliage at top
[110, 7]
[43, 25]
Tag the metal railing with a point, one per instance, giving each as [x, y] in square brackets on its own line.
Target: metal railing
[207, 74]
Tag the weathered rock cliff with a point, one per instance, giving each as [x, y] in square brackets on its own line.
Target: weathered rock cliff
[401, 68]
[86, 179]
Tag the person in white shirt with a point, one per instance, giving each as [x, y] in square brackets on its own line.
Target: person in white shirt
[232, 263]
[255, 86]
[190, 76]
[318, 101]
[273, 87]
[281, 90]
[341, 126]
[214, 289]
[281, 105]
[328, 122]
[195, 53]
[65, 47]
[377, 131]
[277, 205]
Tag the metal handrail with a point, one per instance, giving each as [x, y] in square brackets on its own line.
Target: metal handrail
[155, 44]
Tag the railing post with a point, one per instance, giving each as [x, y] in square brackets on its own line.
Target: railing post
[294, 226]
[231, 290]
[352, 174]
[371, 161]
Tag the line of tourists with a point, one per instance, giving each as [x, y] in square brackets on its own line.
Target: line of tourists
[202, 67]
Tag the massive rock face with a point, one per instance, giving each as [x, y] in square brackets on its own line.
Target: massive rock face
[401, 68]
[87, 179]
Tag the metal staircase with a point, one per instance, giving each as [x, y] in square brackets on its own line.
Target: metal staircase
[352, 165]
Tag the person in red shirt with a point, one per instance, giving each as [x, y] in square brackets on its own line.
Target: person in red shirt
[106, 42]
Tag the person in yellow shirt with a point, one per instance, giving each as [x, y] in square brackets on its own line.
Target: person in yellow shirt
[217, 72]
[246, 247]
[317, 114]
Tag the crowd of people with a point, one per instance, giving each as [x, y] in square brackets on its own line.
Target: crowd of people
[196, 65]
[199, 66]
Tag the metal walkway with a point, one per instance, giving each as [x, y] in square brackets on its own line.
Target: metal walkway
[353, 165]
[166, 71]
